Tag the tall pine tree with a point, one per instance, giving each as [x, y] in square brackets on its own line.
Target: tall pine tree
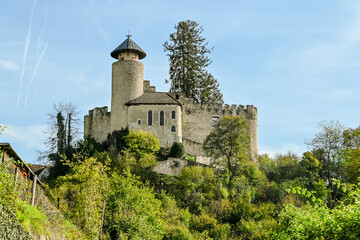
[187, 51]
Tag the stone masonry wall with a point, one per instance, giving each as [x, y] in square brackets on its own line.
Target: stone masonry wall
[138, 113]
[97, 123]
[199, 120]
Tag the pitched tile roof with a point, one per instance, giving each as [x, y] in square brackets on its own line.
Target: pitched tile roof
[157, 98]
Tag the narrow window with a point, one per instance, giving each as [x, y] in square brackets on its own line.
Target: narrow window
[173, 115]
[149, 117]
[173, 128]
[139, 122]
[161, 118]
[177, 96]
[214, 120]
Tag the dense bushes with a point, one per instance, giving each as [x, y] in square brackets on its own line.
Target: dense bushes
[238, 200]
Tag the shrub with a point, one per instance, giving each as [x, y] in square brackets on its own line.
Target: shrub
[177, 150]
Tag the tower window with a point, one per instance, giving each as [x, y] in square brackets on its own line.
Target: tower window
[139, 122]
[173, 128]
[173, 114]
[149, 117]
[161, 118]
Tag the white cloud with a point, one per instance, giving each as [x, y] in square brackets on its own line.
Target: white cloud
[31, 137]
[288, 147]
[9, 65]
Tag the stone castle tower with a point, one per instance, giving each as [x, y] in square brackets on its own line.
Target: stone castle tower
[169, 116]
[127, 80]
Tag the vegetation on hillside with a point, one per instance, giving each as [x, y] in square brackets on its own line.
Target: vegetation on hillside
[110, 190]
[21, 220]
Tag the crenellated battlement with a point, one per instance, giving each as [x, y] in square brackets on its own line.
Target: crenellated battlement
[97, 123]
[248, 111]
[98, 112]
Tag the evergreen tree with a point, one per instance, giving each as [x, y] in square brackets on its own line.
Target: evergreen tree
[187, 51]
[61, 132]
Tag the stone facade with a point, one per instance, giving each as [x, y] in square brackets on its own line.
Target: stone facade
[169, 116]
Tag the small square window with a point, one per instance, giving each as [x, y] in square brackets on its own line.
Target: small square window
[214, 120]
[139, 122]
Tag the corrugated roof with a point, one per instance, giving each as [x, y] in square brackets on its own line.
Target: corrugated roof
[157, 98]
[128, 46]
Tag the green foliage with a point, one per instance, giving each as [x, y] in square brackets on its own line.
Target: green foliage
[82, 193]
[229, 142]
[176, 232]
[163, 153]
[141, 143]
[34, 220]
[132, 211]
[177, 150]
[187, 52]
[2, 129]
[117, 139]
[282, 168]
[8, 189]
[89, 147]
[10, 227]
[196, 185]
[319, 221]
[352, 165]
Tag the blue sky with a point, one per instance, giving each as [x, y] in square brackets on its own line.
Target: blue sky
[296, 61]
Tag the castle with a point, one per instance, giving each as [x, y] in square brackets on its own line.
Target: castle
[169, 116]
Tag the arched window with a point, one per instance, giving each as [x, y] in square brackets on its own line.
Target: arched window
[173, 114]
[173, 128]
[149, 117]
[161, 118]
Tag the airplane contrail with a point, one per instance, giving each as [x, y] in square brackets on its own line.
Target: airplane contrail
[41, 33]
[35, 70]
[25, 54]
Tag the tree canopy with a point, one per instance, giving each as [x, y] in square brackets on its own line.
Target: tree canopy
[187, 52]
[229, 142]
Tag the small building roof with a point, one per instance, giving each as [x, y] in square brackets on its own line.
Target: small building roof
[37, 168]
[157, 98]
[128, 46]
[6, 147]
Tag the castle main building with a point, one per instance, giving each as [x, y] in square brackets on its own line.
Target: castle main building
[169, 116]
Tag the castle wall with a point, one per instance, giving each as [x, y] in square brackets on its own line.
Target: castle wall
[127, 84]
[138, 113]
[97, 123]
[199, 120]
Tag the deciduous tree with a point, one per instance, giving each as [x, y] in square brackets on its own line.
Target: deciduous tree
[229, 142]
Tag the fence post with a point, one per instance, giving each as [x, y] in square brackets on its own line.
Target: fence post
[102, 219]
[33, 190]
[2, 156]
[16, 174]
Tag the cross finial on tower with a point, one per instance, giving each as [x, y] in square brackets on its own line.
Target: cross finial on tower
[129, 35]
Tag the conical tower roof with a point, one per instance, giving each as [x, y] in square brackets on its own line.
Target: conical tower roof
[128, 46]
